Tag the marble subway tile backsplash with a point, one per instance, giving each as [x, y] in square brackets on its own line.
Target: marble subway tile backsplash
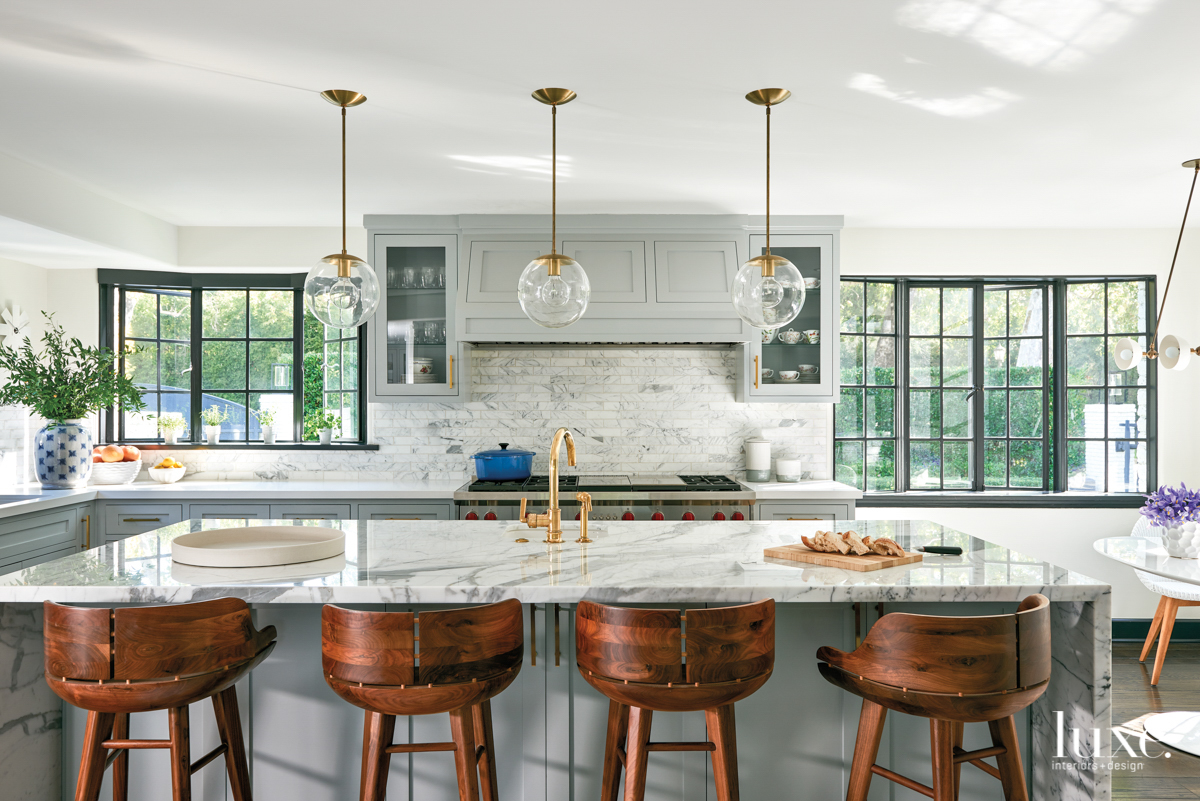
[631, 410]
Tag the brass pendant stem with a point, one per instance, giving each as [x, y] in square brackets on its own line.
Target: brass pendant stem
[1167, 290]
[768, 179]
[553, 178]
[343, 179]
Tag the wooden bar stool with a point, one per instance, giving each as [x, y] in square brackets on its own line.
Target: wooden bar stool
[637, 659]
[399, 663]
[114, 662]
[952, 670]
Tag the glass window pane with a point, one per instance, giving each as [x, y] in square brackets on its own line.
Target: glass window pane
[1085, 361]
[179, 406]
[1025, 413]
[995, 363]
[852, 307]
[332, 333]
[848, 463]
[924, 414]
[881, 412]
[956, 465]
[924, 362]
[141, 315]
[282, 418]
[333, 366]
[956, 311]
[924, 311]
[176, 366]
[852, 360]
[995, 463]
[350, 364]
[1085, 308]
[881, 308]
[1135, 375]
[995, 313]
[995, 413]
[141, 365]
[956, 414]
[881, 361]
[1025, 313]
[1085, 413]
[1025, 463]
[1025, 362]
[175, 316]
[1126, 466]
[881, 466]
[349, 415]
[271, 365]
[224, 365]
[271, 313]
[1085, 466]
[925, 465]
[224, 313]
[234, 404]
[1126, 307]
[956, 363]
[849, 422]
[143, 424]
[1127, 414]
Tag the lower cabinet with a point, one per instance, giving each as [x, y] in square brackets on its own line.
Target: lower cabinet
[310, 511]
[228, 511]
[417, 510]
[123, 520]
[31, 539]
[804, 511]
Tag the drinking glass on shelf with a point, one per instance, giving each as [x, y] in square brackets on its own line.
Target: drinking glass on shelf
[441, 279]
[408, 277]
[428, 277]
[442, 332]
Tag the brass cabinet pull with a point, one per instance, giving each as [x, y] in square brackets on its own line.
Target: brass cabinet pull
[806, 518]
[87, 527]
[756, 374]
[450, 372]
[533, 635]
[142, 520]
[402, 518]
[557, 648]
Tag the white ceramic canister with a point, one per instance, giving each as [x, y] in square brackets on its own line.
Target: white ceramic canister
[758, 459]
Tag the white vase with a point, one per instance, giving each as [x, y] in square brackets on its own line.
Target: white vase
[326, 435]
[170, 435]
[268, 435]
[64, 454]
[1183, 541]
[212, 434]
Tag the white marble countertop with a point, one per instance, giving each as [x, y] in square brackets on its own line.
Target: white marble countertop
[1149, 554]
[481, 562]
[803, 491]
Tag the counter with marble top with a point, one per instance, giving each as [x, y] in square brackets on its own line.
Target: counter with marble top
[784, 737]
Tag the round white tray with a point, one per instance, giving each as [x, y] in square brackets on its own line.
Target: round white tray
[257, 546]
[273, 574]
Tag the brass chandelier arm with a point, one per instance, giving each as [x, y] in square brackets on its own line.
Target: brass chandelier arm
[1153, 351]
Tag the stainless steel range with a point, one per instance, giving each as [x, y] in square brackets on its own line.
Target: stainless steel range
[614, 497]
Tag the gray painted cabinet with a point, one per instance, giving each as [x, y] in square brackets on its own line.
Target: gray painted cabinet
[802, 510]
[30, 539]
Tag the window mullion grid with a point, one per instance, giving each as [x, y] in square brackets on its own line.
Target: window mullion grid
[902, 427]
[298, 370]
[121, 358]
[1151, 392]
[977, 356]
[197, 348]
[1060, 385]
[1047, 414]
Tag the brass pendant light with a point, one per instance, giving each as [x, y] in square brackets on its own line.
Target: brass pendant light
[553, 289]
[342, 291]
[768, 291]
[1172, 352]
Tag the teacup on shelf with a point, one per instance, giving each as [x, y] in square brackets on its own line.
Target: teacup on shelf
[768, 335]
[812, 283]
[812, 336]
[789, 376]
[806, 369]
[767, 373]
[790, 337]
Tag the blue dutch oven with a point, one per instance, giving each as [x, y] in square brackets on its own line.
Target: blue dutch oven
[503, 464]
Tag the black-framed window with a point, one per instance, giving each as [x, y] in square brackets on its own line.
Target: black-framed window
[955, 385]
[242, 343]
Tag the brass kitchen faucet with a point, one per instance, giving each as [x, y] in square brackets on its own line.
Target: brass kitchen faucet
[551, 519]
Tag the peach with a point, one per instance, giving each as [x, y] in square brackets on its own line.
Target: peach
[112, 453]
[96, 459]
[131, 454]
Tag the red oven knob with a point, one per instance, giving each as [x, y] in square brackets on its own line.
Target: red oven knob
[577, 515]
[658, 516]
[719, 516]
[738, 516]
[688, 516]
[627, 516]
[471, 516]
[490, 516]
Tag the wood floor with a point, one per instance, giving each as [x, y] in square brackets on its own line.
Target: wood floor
[1133, 699]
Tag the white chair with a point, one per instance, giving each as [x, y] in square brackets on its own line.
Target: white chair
[1174, 595]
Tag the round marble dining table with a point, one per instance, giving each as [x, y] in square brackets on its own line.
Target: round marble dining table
[1181, 729]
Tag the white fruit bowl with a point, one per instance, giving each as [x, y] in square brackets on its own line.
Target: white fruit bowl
[167, 475]
[115, 472]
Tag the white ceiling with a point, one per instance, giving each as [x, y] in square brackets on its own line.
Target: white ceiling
[924, 113]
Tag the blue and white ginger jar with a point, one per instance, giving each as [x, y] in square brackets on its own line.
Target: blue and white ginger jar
[63, 454]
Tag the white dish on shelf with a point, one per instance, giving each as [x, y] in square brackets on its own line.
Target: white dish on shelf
[115, 472]
[258, 546]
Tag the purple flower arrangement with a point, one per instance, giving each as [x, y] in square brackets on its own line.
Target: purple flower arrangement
[1171, 506]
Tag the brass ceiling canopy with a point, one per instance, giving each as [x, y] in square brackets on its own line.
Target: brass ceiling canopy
[344, 97]
[553, 97]
[768, 97]
[1192, 164]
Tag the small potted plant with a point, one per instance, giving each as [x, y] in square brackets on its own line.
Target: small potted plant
[266, 422]
[324, 422]
[212, 417]
[169, 425]
[1177, 511]
[64, 383]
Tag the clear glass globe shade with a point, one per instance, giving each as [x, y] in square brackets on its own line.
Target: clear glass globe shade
[341, 301]
[768, 301]
[553, 301]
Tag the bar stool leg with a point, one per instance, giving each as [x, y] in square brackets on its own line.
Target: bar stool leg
[1155, 625]
[378, 731]
[1164, 638]
[866, 749]
[636, 754]
[181, 753]
[1012, 774]
[120, 768]
[722, 732]
[957, 742]
[462, 731]
[481, 715]
[942, 738]
[229, 725]
[618, 727]
[91, 766]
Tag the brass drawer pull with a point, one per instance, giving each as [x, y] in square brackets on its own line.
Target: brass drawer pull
[806, 518]
[141, 520]
[756, 376]
[450, 372]
[87, 527]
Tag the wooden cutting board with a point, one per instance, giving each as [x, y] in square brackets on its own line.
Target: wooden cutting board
[871, 561]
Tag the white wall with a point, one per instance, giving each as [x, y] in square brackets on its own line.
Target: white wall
[21, 285]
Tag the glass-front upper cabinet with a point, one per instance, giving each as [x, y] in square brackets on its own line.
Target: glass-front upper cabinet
[799, 361]
[415, 349]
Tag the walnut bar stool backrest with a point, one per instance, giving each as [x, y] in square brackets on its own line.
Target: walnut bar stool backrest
[400, 663]
[953, 670]
[647, 660]
[114, 662]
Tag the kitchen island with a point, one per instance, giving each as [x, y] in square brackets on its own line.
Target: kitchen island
[795, 735]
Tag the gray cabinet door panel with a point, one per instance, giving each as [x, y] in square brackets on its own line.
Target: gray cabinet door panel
[494, 269]
[310, 511]
[229, 511]
[126, 519]
[615, 270]
[800, 510]
[405, 511]
[32, 534]
[695, 272]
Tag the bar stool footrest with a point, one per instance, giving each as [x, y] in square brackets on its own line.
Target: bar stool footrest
[419, 748]
[904, 781]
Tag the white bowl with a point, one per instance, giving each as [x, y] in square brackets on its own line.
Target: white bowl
[115, 472]
[166, 475]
